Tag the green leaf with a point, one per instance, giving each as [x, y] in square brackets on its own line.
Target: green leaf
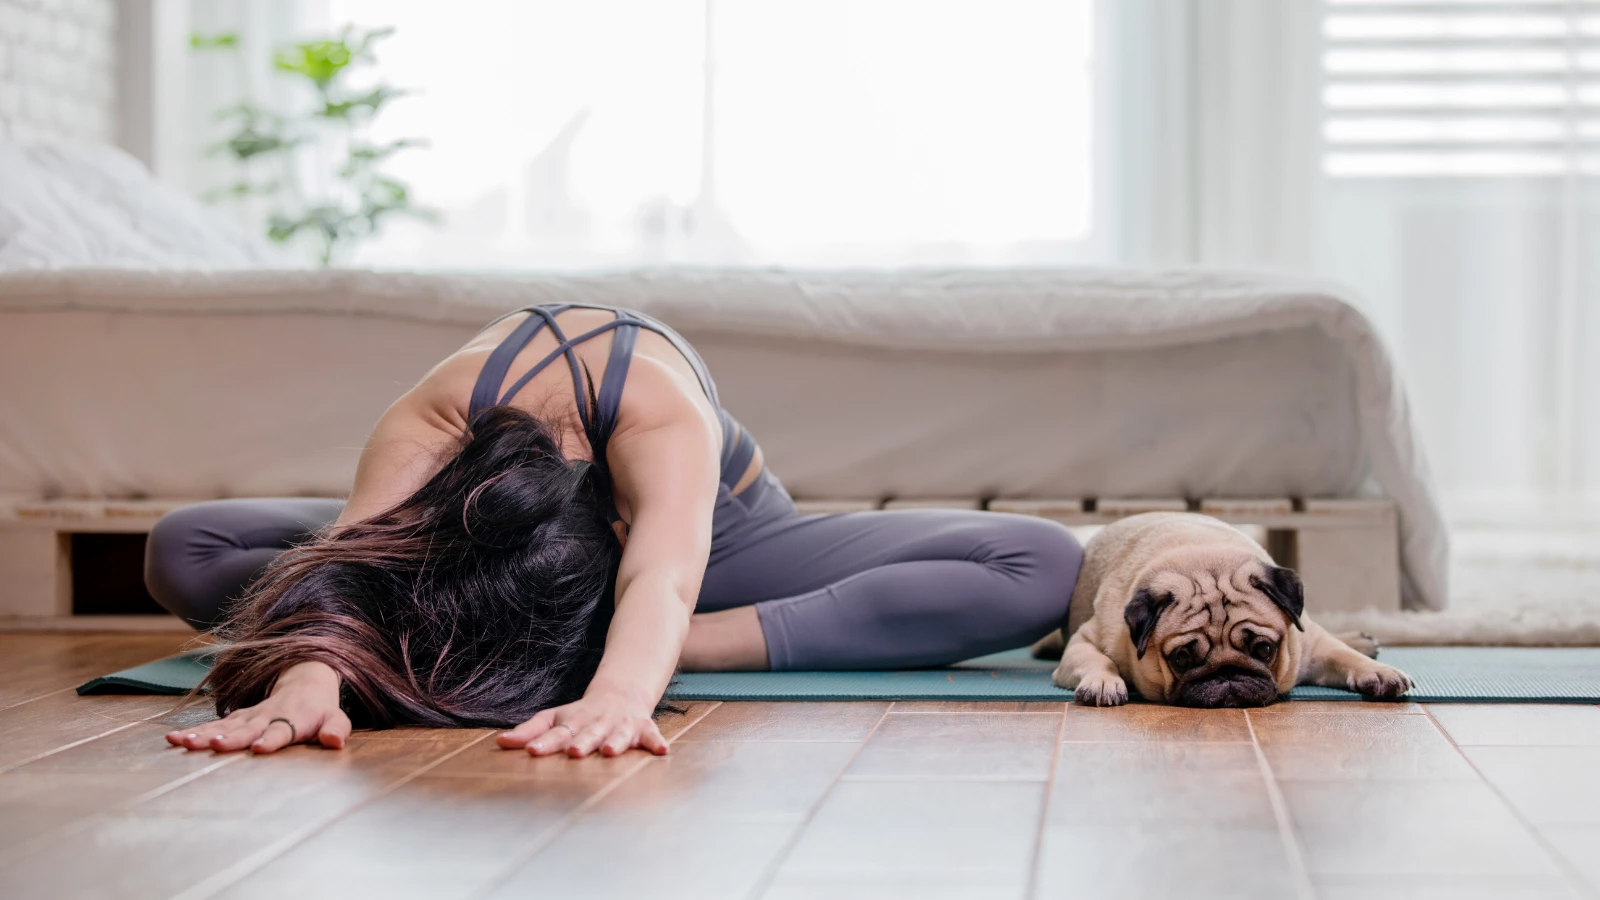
[225, 40]
[324, 61]
[366, 104]
[242, 189]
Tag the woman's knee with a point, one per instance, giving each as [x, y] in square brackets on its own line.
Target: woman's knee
[1041, 560]
[199, 557]
[176, 557]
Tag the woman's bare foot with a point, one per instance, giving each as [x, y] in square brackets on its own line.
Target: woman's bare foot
[726, 641]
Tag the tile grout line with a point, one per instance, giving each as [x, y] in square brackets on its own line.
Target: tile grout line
[68, 746]
[556, 829]
[35, 697]
[232, 874]
[771, 872]
[1573, 876]
[1031, 888]
[18, 851]
[1280, 812]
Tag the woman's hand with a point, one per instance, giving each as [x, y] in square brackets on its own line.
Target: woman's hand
[303, 706]
[609, 723]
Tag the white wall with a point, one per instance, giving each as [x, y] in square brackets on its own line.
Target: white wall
[57, 69]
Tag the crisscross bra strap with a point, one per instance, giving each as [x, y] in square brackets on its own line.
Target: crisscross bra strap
[736, 454]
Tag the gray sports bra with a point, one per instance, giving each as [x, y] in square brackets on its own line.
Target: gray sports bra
[738, 448]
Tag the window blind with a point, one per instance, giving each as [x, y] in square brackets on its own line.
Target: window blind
[1441, 88]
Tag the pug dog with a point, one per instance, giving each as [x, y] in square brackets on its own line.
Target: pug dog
[1194, 612]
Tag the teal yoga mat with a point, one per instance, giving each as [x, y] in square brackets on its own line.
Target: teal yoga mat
[1443, 675]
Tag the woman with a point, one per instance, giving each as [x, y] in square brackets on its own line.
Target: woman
[542, 530]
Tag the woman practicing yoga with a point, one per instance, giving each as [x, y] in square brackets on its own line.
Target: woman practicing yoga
[542, 530]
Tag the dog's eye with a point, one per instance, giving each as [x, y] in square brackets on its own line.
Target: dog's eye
[1183, 658]
[1264, 650]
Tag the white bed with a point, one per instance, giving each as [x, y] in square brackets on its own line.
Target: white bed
[1066, 383]
[148, 349]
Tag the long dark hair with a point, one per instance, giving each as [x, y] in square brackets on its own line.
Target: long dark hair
[477, 601]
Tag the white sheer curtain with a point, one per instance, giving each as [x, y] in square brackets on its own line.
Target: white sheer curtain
[1440, 157]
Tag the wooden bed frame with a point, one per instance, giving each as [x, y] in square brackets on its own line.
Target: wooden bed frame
[1346, 550]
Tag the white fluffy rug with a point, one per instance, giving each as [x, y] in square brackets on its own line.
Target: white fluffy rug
[1512, 588]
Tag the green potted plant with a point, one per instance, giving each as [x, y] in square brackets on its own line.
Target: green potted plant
[269, 147]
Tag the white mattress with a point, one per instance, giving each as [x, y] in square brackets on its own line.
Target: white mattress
[1049, 383]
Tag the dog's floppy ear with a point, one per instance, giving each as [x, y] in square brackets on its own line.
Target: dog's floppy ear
[1282, 586]
[1141, 614]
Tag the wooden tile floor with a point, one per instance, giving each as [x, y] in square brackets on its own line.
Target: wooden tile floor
[804, 800]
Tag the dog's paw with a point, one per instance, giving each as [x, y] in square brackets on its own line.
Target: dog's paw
[1361, 642]
[1101, 690]
[1380, 682]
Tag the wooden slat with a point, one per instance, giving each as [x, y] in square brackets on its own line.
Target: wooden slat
[39, 805]
[430, 838]
[980, 832]
[29, 731]
[1160, 782]
[832, 507]
[1347, 508]
[155, 623]
[206, 833]
[969, 746]
[729, 781]
[1525, 725]
[1300, 709]
[1133, 506]
[1549, 787]
[1372, 828]
[604, 857]
[34, 665]
[87, 515]
[977, 706]
[933, 503]
[1151, 722]
[1358, 748]
[1244, 507]
[789, 722]
[1048, 508]
[1151, 859]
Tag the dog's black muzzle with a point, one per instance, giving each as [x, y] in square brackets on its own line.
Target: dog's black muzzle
[1226, 686]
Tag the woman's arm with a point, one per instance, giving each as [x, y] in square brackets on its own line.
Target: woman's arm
[411, 442]
[406, 448]
[664, 471]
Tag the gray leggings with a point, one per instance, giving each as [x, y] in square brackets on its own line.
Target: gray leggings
[865, 590]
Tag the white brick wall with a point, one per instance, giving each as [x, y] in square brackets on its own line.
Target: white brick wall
[57, 69]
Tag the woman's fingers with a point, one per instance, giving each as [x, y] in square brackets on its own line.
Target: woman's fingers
[199, 737]
[525, 733]
[240, 735]
[335, 729]
[554, 740]
[589, 738]
[276, 734]
[650, 739]
[618, 742]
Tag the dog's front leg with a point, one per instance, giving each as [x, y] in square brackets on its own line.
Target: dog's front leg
[1331, 662]
[1089, 673]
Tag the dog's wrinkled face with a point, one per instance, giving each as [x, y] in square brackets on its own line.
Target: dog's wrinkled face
[1211, 631]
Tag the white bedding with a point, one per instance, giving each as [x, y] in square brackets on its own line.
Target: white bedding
[66, 205]
[1058, 383]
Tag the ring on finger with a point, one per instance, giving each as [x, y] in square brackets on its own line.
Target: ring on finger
[294, 735]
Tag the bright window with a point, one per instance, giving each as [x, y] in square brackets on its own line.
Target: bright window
[616, 132]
